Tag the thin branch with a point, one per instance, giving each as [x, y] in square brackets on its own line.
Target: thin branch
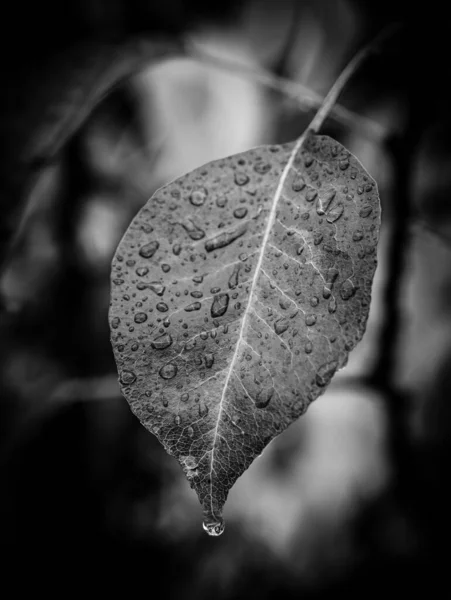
[305, 98]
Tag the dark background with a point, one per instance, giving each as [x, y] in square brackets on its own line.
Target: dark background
[353, 498]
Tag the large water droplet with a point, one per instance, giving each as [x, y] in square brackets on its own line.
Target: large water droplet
[347, 289]
[140, 317]
[324, 202]
[209, 360]
[127, 377]
[263, 397]
[220, 305]
[157, 287]
[224, 239]
[233, 279]
[214, 528]
[365, 211]
[335, 213]
[240, 213]
[162, 307]
[162, 342]
[168, 371]
[148, 250]
[193, 306]
[325, 373]
[198, 197]
[142, 271]
[194, 232]
[281, 326]
[241, 178]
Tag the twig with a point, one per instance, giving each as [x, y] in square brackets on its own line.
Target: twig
[305, 98]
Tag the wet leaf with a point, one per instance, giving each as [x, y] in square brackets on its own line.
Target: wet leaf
[264, 303]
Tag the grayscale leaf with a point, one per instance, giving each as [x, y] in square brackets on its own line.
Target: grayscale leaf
[237, 292]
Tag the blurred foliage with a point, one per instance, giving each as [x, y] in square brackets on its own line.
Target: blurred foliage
[333, 505]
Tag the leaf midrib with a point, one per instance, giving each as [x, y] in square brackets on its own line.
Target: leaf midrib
[271, 219]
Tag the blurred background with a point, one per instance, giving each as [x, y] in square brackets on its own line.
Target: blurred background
[352, 498]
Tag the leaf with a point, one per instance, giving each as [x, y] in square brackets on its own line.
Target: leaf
[237, 293]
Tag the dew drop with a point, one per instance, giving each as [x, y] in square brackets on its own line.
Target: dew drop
[357, 236]
[220, 305]
[168, 371]
[240, 213]
[365, 211]
[233, 279]
[141, 271]
[196, 294]
[115, 322]
[311, 195]
[162, 342]
[241, 178]
[184, 397]
[192, 307]
[140, 317]
[157, 287]
[128, 377]
[347, 289]
[298, 184]
[221, 202]
[190, 432]
[214, 528]
[335, 213]
[262, 167]
[176, 249]
[224, 239]
[177, 420]
[281, 325]
[148, 250]
[165, 268]
[310, 320]
[325, 373]
[325, 201]
[198, 197]
[162, 307]
[209, 360]
[308, 348]
[263, 397]
[314, 300]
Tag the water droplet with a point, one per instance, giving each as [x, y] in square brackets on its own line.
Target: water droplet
[347, 289]
[115, 322]
[177, 420]
[284, 303]
[193, 306]
[220, 305]
[190, 432]
[241, 178]
[224, 239]
[281, 325]
[196, 294]
[233, 279]
[162, 342]
[317, 238]
[365, 211]
[214, 528]
[311, 195]
[308, 160]
[263, 397]
[325, 373]
[310, 320]
[240, 213]
[221, 202]
[140, 317]
[157, 287]
[194, 232]
[176, 249]
[198, 197]
[332, 306]
[148, 250]
[357, 236]
[209, 360]
[141, 271]
[184, 397]
[262, 167]
[198, 278]
[308, 348]
[165, 268]
[168, 371]
[335, 213]
[314, 300]
[162, 307]
[324, 202]
[298, 183]
[127, 377]
[344, 164]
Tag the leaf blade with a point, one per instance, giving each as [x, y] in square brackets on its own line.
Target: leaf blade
[241, 411]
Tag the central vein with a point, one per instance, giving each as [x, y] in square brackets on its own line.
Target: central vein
[271, 218]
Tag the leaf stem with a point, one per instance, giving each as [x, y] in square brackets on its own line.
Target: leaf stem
[330, 100]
